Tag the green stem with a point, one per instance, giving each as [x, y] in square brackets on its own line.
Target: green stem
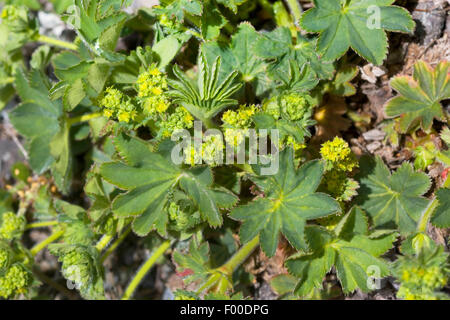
[239, 257]
[103, 242]
[41, 245]
[296, 9]
[83, 118]
[7, 80]
[426, 216]
[144, 269]
[115, 245]
[56, 42]
[41, 224]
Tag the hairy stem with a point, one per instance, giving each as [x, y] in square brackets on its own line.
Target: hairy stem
[56, 42]
[103, 242]
[83, 118]
[145, 269]
[41, 224]
[41, 245]
[239, 257]
[426, 216]
[296, 9]
[115, 245]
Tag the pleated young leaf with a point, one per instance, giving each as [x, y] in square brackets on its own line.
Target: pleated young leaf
[359, 24]
[290, 200]
[98, 27]
[349, 248]
[420, 96]
[392, 200]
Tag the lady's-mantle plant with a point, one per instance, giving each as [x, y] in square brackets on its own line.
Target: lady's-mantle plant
[101, 118]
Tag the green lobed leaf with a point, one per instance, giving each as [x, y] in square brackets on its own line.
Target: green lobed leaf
[195, 263]
[179, 8]
[420, 96]
[212, 20]
[355, 257]
[290, 200]
[392, 200]
[198, 184]
[353, 23]
[36, 118]
[239, 55]
[278, 46]
[149, 178]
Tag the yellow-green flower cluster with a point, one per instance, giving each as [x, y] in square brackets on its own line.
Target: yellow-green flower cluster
[165, 21]
[12, 226]
[152, 87]
[292, 106]
[339, 163]
[420, 283]
[236, 124]
[339, 186]
[211, 152]
[234, 137]
[16, 280]
[179, 119]
[295, 105]
[338, 155]
[290, 141]
[15, 18]
[182, 220]
[10, 13]
[116, 105]
[76, 267]
[423, 274]
[241, 118]
[192, 157]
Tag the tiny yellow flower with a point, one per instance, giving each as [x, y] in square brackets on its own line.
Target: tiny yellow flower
[162, 106]
[154, 71]
[156, 91]
[107, 113]
[124, 116]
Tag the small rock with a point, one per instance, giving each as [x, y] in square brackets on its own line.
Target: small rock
[372, 147]
[374, 135]
[430, 17]
[138, 4]
[51, 24]
[371, 73]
